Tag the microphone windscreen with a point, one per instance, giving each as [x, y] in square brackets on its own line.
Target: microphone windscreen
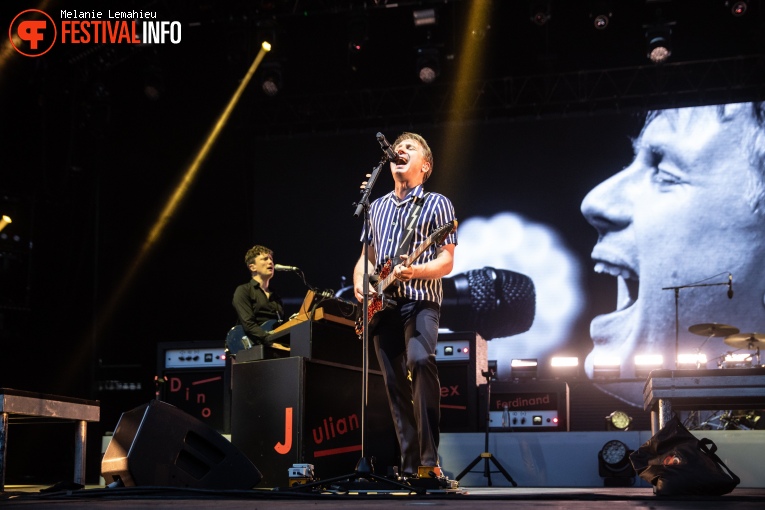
[495, 303]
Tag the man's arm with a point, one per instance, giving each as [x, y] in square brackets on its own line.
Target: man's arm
[358, 273]
[246, 315]
[434, 269]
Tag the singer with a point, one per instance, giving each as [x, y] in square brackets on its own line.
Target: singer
[689, 205]
[405, 336]
[258, 308]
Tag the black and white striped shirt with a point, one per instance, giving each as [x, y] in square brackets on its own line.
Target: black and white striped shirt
[388, 216]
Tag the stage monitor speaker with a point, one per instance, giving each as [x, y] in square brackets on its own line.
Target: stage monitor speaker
[157, 444]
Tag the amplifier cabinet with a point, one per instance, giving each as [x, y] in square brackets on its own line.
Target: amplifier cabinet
[459, 372]
[541, 406]
[300, 411]
[195, 377]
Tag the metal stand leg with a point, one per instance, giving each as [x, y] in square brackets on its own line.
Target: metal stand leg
[3, 446]
[486, 456]
[665, 412]
[80, 446]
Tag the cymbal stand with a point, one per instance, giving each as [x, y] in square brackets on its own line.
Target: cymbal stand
[677, 308]
[486, 455]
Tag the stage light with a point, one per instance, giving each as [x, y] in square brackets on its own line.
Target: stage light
[644, 363]
[618, 420]
[565, 366]
[658, 44]
[737, 360]
[271, 79]
[564, 361]
[424, 17]
[540, 13]
[614, 465]
[358, 34]
[601, 21]
[691, 361]
[738, 8]
[606, 367]
[523, 368]
[601, 16]
[4, 221]
[428, 64]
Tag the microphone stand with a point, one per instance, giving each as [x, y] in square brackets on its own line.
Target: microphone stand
[364, 467]
[677, 307]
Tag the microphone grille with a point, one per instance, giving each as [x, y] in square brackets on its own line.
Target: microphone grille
[504, 301]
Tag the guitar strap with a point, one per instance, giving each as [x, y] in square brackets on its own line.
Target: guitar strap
[405, 245]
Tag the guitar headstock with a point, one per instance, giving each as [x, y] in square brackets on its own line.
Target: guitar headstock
[444, 230]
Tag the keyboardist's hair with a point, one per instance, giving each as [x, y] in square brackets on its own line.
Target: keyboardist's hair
[254, 252]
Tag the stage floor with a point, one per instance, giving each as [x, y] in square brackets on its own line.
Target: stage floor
[467, 498]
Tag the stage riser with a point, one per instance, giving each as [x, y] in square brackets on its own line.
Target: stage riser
[570, 459]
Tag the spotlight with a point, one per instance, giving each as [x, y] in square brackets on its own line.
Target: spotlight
[424, 17]
[271, 79]
[540, 13]
[738, 8]
[4, 221]
[737, 360]
[644, 363]
[523, 368]
[601, 21]
[428, 65]
[565, 366]
[606, 367]
[601, 15]
[358, 34]
[618, 420]
[614, 465]
[691, 361]
[658, 44]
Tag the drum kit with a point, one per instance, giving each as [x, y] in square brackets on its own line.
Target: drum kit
[733, 420]
[733, 338]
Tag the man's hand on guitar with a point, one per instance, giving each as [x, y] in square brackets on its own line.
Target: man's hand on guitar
[402, 272]
[358, 291]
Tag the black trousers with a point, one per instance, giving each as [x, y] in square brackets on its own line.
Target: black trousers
[405, 340]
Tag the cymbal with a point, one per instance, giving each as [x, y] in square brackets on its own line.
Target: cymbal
[746, 340]
[713, 329]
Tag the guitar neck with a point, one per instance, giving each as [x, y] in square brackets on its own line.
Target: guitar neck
[436, 237]
[388, 280]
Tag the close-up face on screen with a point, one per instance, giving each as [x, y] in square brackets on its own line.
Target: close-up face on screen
[642, 262]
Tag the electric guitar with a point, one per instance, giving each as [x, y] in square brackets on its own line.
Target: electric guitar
[380, 301]
[237, 340]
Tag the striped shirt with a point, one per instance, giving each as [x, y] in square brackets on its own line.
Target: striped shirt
[388, 215]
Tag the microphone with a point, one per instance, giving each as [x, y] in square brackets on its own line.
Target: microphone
[495, 303]
[387, 149]
[279, 267]
[730, 286]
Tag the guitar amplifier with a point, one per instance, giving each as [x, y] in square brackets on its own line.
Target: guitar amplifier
[461, 357]
[526, 406]
[196, 378]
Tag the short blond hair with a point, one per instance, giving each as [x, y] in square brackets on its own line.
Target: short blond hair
[426, 152]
